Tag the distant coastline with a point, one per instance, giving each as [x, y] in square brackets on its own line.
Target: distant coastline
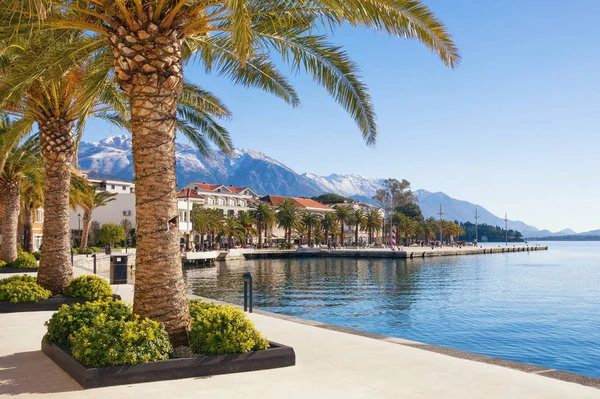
[565, 238]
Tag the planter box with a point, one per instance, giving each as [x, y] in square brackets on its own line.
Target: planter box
[18, 269]
[43, 305]
[275, 357]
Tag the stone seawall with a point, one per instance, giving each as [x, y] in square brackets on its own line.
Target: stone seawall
[411, 253]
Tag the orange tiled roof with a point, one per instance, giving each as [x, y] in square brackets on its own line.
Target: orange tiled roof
[188, 193]
[207, 187]
[302, 203]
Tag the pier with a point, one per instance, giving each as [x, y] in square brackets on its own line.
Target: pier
[408, 253]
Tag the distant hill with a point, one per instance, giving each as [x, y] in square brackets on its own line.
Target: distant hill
[265, 175]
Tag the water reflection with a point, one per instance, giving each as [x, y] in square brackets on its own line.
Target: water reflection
[538, 307]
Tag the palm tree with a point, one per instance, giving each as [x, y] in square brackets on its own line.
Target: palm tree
[373, 221]
[287, 217]
[265, 218]
[149, 41]
[343, 213]
[88, 199]
[21, 163]
[330, 225]
[310, 220]
[356, 219]
[233, 230]
[247, 222]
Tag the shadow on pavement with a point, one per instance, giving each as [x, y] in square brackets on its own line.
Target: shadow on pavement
[33, 372]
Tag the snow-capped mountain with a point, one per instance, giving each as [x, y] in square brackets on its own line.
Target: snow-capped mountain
[248, 168]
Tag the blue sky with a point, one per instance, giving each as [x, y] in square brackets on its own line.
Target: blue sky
[515, 128]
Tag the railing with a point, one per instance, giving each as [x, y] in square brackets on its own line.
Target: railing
[247, 277]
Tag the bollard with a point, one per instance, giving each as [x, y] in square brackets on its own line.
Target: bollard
[72, 255]
[247, 277]
[94, 256]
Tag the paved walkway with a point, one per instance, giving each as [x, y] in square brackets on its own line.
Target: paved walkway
[330, 364]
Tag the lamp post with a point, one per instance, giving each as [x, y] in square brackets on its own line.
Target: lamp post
[79, 227]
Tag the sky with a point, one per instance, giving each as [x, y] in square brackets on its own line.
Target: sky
[515, 128]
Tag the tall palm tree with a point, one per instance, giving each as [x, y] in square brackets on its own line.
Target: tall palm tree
[265, 219]
[88, 199]
[343, 213]
[310, 220]
[150, 39]
[247, 222]
[330, 225]
[21, 163]
[373, 221]
[356, 219]
[287, 217]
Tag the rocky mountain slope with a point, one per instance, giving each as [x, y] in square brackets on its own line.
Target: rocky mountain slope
[248, 168]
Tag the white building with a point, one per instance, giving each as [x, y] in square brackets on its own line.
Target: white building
[231, 200]
[109, 183]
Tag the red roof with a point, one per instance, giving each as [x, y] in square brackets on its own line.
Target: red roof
[213, 187]
[302, 203]
[188, 193]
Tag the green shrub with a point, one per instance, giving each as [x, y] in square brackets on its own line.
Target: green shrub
[24, 260]
[285, 245]
[36, 255]
[224, 329]
[197, 306]
[70, 319]
[17, 289]
[118, 342]
[2, 263]
[89, 287]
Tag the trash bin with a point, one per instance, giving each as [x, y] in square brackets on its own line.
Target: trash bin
[118, 269]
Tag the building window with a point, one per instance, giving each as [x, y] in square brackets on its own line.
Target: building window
[221, 201]
[182, 218]
[112, 186]
[231, 212]
[231, 202]
[39, 216]
[211, 200]
[130, 189]
[242, 203]
[124, 187]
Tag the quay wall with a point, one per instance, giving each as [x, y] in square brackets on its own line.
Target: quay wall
[381, 253]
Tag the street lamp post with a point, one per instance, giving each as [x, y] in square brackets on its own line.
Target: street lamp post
[79, 228]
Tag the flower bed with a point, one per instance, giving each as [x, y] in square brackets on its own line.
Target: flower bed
[22, 293]
[223, 340]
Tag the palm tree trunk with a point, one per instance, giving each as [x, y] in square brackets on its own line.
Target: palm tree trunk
[10, 220]
[85, 228]
[342, 233]
[28, 229]
[356, 235]
[56, 147]
[149, 72]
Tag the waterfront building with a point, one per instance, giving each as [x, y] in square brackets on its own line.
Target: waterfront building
[35, 233]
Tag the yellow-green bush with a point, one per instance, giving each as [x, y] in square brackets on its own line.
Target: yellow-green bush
[223, 329]
[24, 260]
[17, 289]
[197, 306]
[118, 342]
[36, 255]
[2, 263]
[89, 287]
[70, 319]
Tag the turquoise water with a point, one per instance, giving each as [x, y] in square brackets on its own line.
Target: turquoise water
[535, 307]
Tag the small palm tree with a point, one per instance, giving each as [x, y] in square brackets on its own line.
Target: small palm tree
[247, 222]
[310, 220]
[21, 164]
[288, 217]
[265, 219]
[343, 213]
[233, 230]
[86, 197]
[373, 221]
[356, 219]
[330, 225]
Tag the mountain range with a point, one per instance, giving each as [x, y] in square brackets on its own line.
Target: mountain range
[265, 175]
